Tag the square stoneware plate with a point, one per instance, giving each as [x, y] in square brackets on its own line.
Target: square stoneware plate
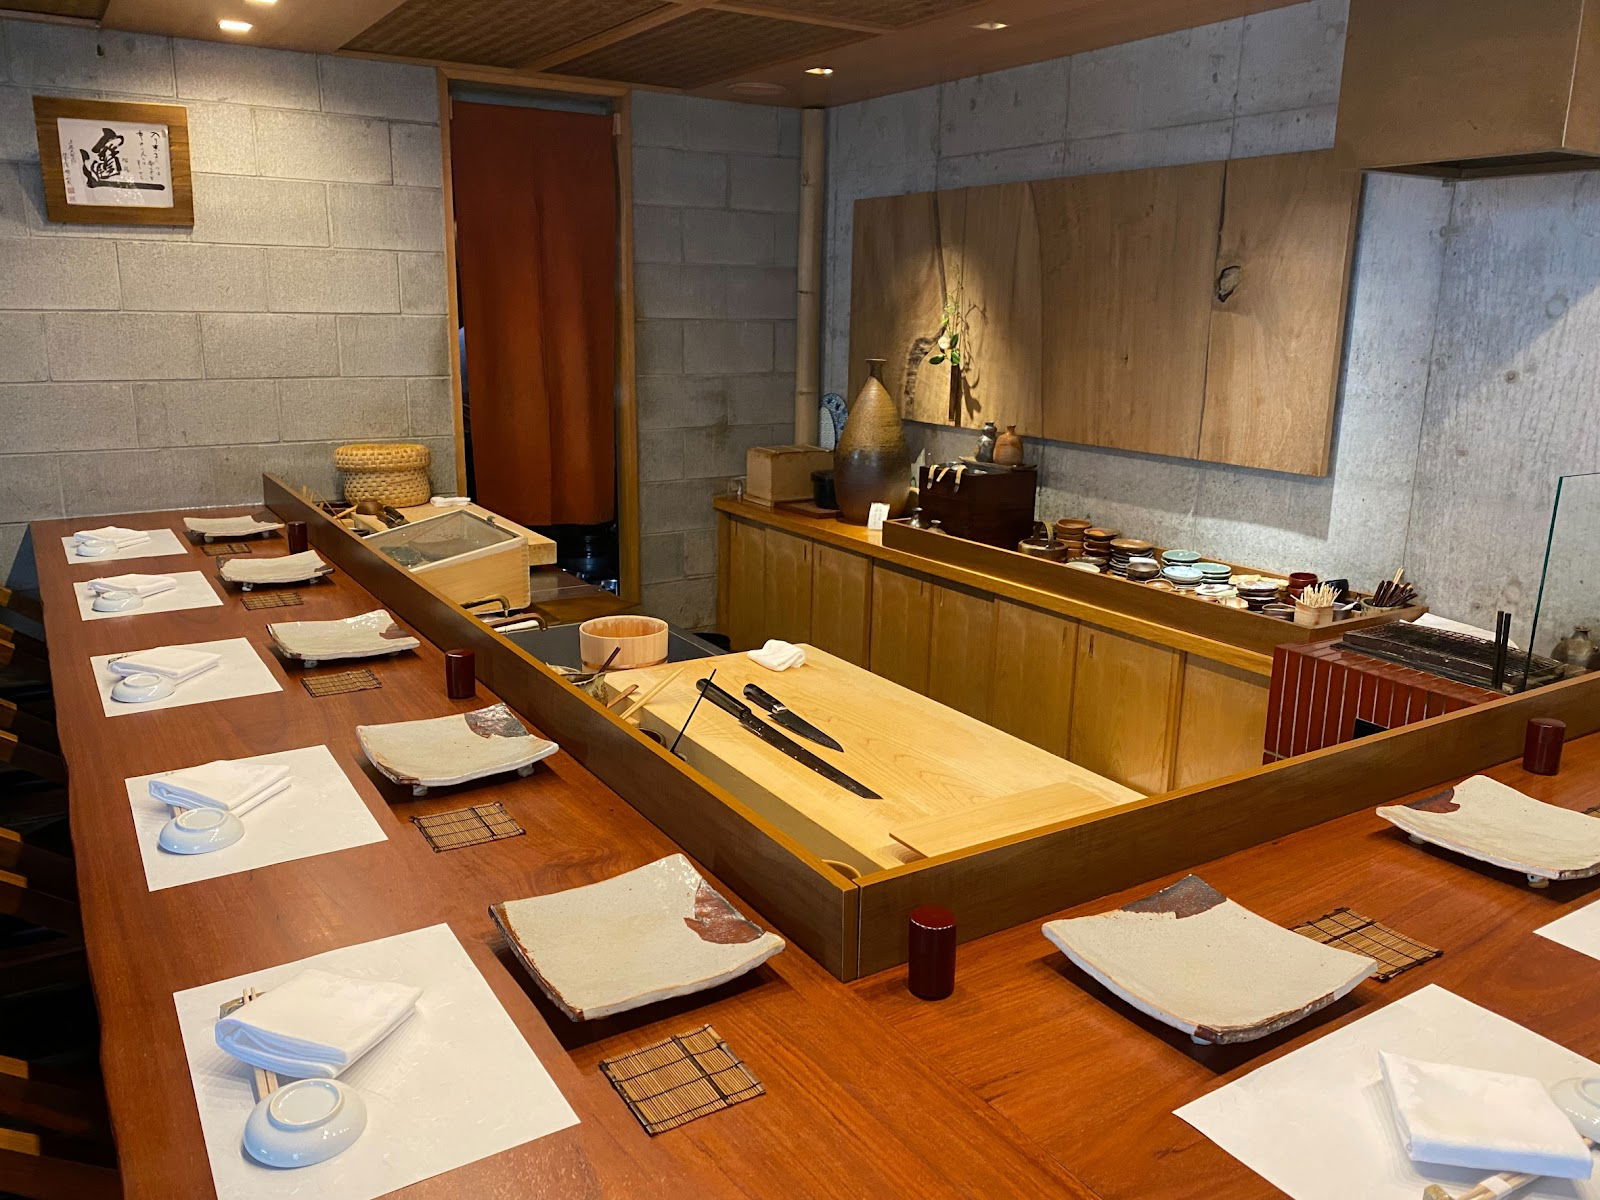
[368, 636]
[1192, 958]
[283, 568]
[1496, 824]
[229, 527]
[442, 751]
[650, 934]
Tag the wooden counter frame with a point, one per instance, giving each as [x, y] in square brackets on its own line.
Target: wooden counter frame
[856, 929]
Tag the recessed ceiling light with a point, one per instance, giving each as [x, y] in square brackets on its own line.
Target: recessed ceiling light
[264, 3]
[819, 70]
[756, 87]
[991, 25]
[231, 26]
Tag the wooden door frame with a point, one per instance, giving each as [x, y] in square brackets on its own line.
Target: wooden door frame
[629, 573]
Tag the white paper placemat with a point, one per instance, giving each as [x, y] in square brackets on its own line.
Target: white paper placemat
[240, 673]
[320, 813]
[1578, 930]
[194, 590]
[455, 1083]
[162, 542]
[1317, 1123]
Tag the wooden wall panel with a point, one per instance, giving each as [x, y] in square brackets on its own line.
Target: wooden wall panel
[961, 650]
[1221, 723]
[788, 587]
[897, 290]
[746, 574]
[1126, 288]
[1034, 663]
[841, 603]
[1276, 342]
[1124, 709]
[902, 626]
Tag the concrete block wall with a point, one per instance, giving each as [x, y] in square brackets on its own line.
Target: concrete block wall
[151, 367]
[1473, 332]
[716, 188]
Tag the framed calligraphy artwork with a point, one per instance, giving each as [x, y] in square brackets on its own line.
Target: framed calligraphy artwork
[106, 162]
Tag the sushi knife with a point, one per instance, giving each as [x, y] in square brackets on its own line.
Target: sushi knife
[781, 741]
[781, 714]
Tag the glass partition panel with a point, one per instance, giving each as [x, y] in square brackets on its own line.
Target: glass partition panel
[1566, 620]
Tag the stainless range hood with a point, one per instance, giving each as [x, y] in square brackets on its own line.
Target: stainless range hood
[1464, 88]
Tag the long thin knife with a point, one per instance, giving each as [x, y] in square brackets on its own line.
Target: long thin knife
[778, 741]
[782, 714]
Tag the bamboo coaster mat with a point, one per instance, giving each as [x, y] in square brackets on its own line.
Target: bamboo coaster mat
[217, 549]
[255, 600]
[337, 683]
[1347, 930]
[680, 1080]
[475, 826]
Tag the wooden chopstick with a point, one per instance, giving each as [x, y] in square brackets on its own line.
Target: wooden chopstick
[266, 1082]
[1493, 1188]
[651, 694]
[622, 695]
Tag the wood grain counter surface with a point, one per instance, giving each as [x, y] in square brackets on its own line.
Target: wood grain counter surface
[853, 1107]
[1096, 1081]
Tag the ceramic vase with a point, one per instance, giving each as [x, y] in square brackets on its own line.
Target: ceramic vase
[986, 442]
[872, 464]
[1008, 448]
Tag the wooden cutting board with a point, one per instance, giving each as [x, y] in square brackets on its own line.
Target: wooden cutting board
[925, 760]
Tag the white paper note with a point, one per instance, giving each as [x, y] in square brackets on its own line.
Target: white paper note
[320, 813]
[455, 1083]
[240, 673]
[1317, 1123]
[162, 542]
[193, 591]
[1578, 930]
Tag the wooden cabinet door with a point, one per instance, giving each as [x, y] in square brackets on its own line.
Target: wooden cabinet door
[961, 650]
[1222, 723]
[1128, 261]
[745, 603]
[1034, 664]
[902, 626]
[1124, 708]
[1278, 312]
[841, 603]
[787, 608]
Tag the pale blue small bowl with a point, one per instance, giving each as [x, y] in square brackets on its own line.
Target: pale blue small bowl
[304, 1123]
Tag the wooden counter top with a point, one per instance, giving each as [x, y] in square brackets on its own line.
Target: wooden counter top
[852, 1107]
[1096, 1082]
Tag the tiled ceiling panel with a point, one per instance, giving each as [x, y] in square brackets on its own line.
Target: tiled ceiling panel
[893, 13]
[91, 10]
[704, 47]
[496, 33]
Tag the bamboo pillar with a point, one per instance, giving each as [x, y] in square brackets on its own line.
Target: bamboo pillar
[808, 277]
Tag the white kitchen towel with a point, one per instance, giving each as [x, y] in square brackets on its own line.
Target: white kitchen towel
[1464, 1117]
[779, 656]
[317, 1023]
[224, 785]
[177, 663]
[139, 585]
[113, 535]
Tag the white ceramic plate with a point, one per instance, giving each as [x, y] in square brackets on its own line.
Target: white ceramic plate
[368, 636]
[282, 568]
[1192, 958]
[229, 527]
[1496, 824]
[650, 934]
[442, 751]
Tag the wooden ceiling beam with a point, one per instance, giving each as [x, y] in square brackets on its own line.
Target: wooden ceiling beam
[784, 14]
[666, 15]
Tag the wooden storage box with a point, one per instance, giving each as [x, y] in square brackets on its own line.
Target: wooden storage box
[994, 507]
[776, 474]
[466, 557]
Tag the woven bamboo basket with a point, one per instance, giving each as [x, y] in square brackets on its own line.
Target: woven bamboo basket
[389, 472]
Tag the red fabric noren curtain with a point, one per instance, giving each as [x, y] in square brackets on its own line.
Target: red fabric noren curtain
[536, 251]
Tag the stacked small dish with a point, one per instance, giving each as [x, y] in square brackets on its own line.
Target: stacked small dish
[1216, 591]
[1215, 572]
[1179, 558]
[1123, 550]
[1183, 577]
[1069, 530]
[1257, 591]
[1097, 542]
[1142, 569]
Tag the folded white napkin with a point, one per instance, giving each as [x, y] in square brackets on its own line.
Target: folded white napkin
[113, 534]
[177, 663]
[139, 585]
[1462, 1117]
[779, 656]
[317, 1024]
[224, 785]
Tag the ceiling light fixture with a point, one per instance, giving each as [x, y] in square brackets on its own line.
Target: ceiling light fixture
[264, 3]
[991, 26]
[231, 26]
[819, 70]
[756, 87]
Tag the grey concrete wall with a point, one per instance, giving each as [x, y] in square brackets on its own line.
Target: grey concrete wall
[146, 368]
[716, 189]
[1474, 342]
